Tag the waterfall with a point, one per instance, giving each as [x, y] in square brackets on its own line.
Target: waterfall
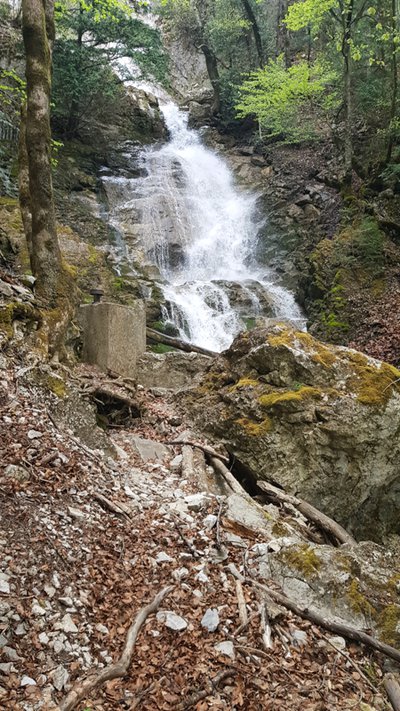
[201, 232]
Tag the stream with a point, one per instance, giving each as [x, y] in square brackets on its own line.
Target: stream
[199, 231]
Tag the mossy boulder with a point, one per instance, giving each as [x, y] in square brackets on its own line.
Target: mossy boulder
[321, 421]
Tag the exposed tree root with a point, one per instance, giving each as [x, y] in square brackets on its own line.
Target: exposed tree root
[85, 687]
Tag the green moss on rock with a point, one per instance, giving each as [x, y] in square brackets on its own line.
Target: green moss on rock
[253, 428]
[304, 393]
[304, 559]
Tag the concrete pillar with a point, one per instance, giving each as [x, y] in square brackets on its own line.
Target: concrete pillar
[114, 336]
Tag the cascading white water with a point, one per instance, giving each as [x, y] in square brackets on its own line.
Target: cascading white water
[217, 226]
[201, 231]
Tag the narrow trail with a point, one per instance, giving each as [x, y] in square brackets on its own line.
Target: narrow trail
[76, 567]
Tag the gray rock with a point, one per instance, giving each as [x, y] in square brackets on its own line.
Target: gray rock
[20, 630]
[172, 621]
[319, 420]
[148, 449]
[101, 628]
[300, 638]
[10, 654]
[163, 558]
[338, 642]
[67, 625]
[43, 638]
[14, 471]
[60, 678]
[225, 648]
[196, 502]
[210, 620]
[3, 641]
[6, 668]
[38, 610]
[4, 587]
[210, 521]
[34, 434]
[170, 370]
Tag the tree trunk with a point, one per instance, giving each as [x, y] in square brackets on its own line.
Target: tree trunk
[395, 81]
[23, 182]
[46, 256]
[256, 31]
[348, 98]
[282, 33]
[202, 8]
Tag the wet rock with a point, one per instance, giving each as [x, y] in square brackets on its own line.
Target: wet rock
[210, 620]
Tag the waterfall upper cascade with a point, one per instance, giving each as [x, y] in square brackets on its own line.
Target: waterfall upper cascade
[201, 231]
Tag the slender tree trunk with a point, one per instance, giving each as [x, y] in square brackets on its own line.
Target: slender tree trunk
[348, 95]
[256, 31]
[37, 28]
[282, 33]
[203, 10]
[23, 182]
[73, 118]
[395, 79]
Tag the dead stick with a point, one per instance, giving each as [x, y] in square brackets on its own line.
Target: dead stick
[118, 509]
[310, 512]
[393, 690]
[336, 627]
[243, 616]
[203, 693]
[221, 469]
[177, 343]
[204, 448]
[352, 662]
[83, 688]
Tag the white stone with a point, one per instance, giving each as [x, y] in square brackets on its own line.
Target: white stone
[67, 624]
[225, 648]
[60, 678]
[172, 621]
[49, 590]
[210, 620]
[43, 638]
[76, 513]
[3, 641]
[4, 587]
[34, 434]
[163, 558]
[38, 610]
[6, 667]
[27, 681]
[210, 521]
[180, 573]
[101, 628]
[338, 642]
[176, 463]
[300, 637]
[20, 630]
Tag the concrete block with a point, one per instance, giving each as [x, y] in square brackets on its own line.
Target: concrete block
[114, 336]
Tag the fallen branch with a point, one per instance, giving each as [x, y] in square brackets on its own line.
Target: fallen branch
[118, 509]
[353, 663]
[310, 512]
[158, 337]
[243, 616]
[336, 627]
[392, 688]
[220, 468]
[204, 448]
[85, 687]
[203, 693]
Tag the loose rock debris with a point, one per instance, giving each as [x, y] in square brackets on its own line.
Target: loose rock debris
[74, 574]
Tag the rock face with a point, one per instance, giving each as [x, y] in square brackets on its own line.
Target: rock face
[323, 422]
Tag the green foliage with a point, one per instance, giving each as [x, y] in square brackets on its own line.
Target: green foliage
[91, 38]
[281, 98]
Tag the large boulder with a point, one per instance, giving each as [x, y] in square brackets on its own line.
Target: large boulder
[322, 422]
